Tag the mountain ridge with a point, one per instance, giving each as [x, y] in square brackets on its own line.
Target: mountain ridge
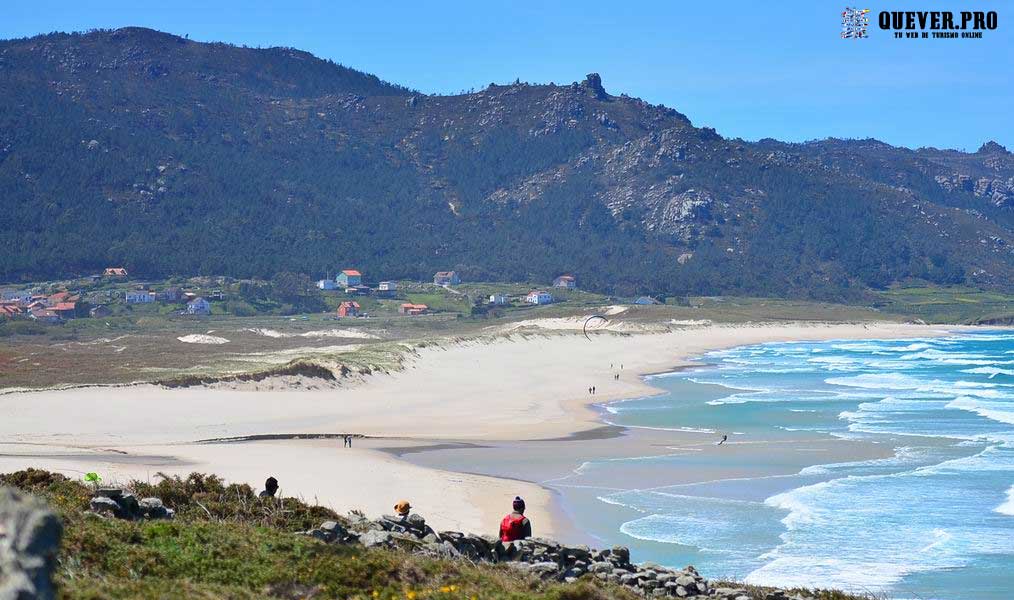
[247, 162]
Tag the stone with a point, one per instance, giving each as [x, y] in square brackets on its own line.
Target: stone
[545, 570]
[29, 540]
[152, 508]
[621, 554]
[374, 538]
[601, 567]
[104, 506]
[415, 520]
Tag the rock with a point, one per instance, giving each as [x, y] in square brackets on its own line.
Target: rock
[545, 570]
[621, 554]
[29, 540]
[593, 83]
[601, 567]
[374, 538]
[104, 506]
[152, 508]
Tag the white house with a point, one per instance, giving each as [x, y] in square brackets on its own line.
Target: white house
[198, 306]
[327, 284]
[387, 286]
[446, 278]
[498, 299]
[140, 297]
[539, 297]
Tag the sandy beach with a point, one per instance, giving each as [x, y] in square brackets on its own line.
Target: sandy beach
[531, 387]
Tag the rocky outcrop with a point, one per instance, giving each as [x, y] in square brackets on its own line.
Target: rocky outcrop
[997, 191]
[29, 539]
[541, 558]
[115, 502]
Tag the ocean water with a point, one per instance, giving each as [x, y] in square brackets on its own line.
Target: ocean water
[934, 519]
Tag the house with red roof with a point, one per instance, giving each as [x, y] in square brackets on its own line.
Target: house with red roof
[412, 309]
[115, 272]
[348, 309]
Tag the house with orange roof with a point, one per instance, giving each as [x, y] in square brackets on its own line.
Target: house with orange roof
[114, 272]
[348, 309]
[66, 310]
[412, 309]
[349, 278]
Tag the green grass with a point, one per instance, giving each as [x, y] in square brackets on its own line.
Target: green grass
[949, 305]
[226, 543]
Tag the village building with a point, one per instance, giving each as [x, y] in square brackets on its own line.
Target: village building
[100, 311]
[11, 310]
[139, 297]
[387, 286]
[45, 315]
[171, 294]
[565, 281]
[446, 278]
[349, 278]
[327, 284]
[23, 296]
[348, 309]
[539, 297]
[115, 272]
[498, 299]
[412, 309]
[358, 290]
[66, 310]
[198, 306]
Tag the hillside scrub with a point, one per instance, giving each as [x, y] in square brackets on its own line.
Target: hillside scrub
[226, 543]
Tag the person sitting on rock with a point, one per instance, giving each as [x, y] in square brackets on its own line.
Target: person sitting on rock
[402, 508]
[516, 526]
[270, 488]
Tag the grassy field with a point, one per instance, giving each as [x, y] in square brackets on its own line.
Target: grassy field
[156, 343]
[949, 305]
[226, 543]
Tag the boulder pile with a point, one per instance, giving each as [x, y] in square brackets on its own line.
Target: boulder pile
[117, 503]
[545, 559]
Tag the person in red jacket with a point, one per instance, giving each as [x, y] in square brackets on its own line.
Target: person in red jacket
[516, 526]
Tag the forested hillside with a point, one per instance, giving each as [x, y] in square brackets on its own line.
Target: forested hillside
[143, 149]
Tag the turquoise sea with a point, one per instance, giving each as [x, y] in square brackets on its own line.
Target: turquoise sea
[932, 519]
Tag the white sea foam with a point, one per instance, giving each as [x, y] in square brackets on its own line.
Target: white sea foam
[991, 371]
[1002, 412]
[1007, 508]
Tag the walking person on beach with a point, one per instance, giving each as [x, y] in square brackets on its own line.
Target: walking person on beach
[516, 526]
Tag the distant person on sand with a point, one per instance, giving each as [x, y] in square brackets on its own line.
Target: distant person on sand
[270, 488]
[724, 437]
[402, 508]
[516, 526]
[347, 441]
[593, 390]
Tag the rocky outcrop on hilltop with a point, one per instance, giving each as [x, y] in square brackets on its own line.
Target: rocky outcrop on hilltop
[542, 558]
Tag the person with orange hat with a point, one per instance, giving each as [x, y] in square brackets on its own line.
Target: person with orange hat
[516, 526]
[402, 508]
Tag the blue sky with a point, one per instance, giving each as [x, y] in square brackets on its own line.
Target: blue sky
[749, 69]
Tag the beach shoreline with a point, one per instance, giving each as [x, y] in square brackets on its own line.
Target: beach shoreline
[502, 391]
